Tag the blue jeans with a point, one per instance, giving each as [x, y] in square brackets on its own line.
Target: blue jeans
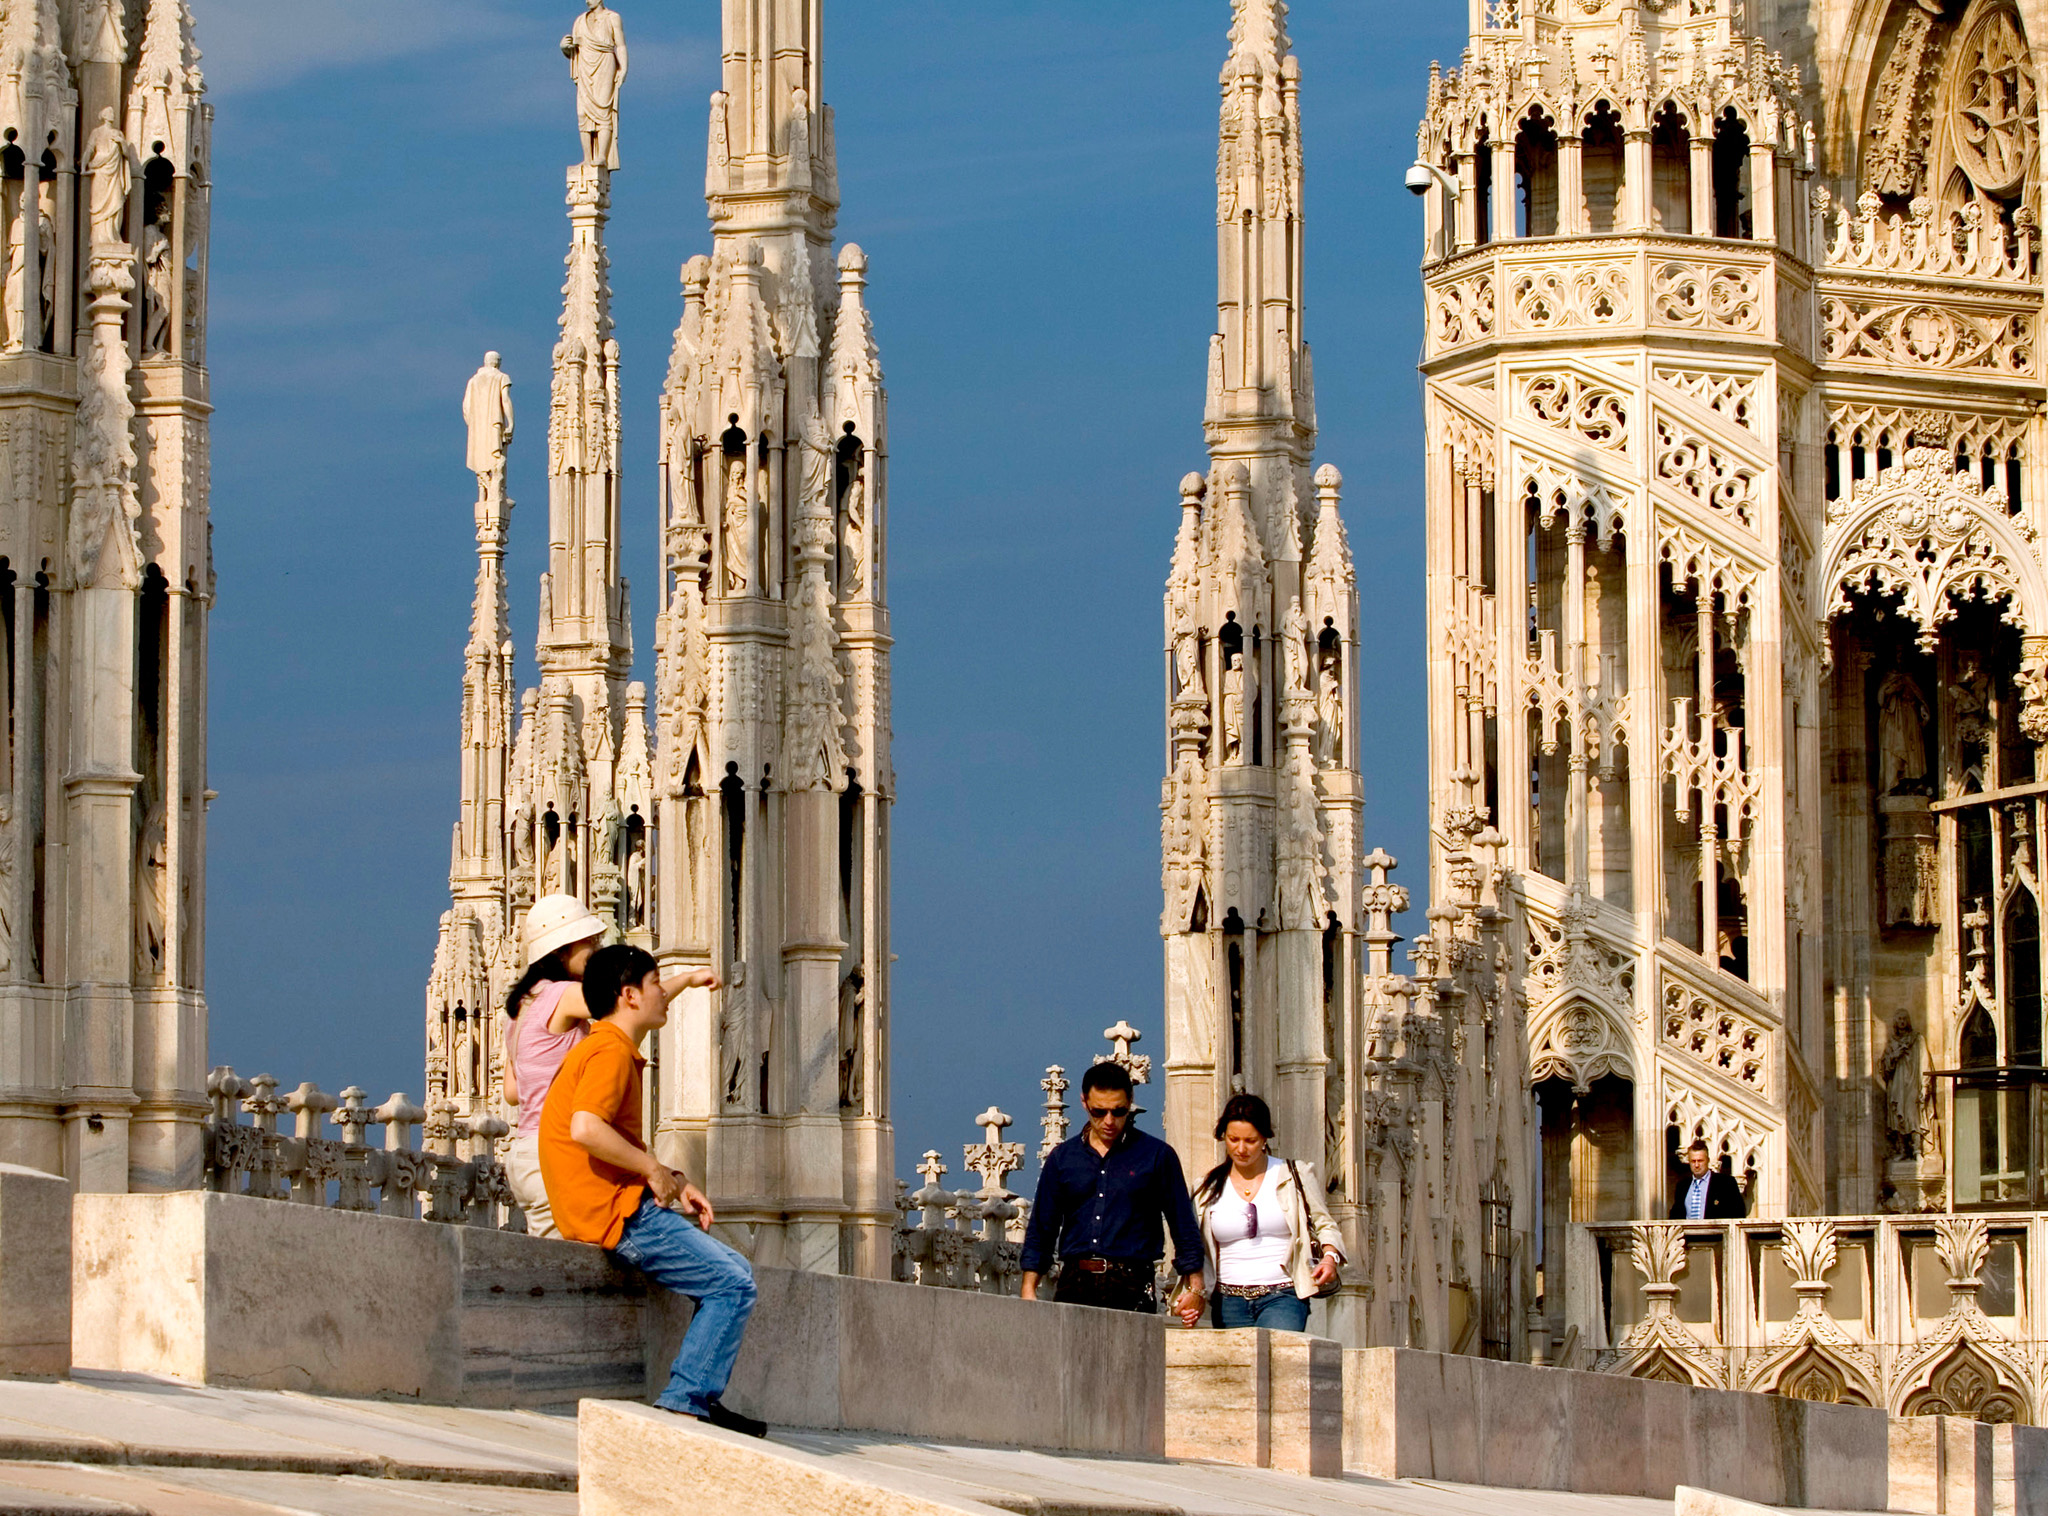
[679, 1257]
[1281, 1311]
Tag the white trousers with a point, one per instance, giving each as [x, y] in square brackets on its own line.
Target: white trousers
[522, 1169]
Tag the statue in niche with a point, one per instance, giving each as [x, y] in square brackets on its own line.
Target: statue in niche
[152, 894]
[1298, 653]
[107, 164]
[1901, 736]
[465, 1054]
[1969, 695]
[554, 842]
[1909, 1092]
[1188, 683]
[46, 240]
[604, 844]
[853, 1001]
[487, 411]
[736, 1038]
[158, 278]
[817, 467]
[1240, 691]
[853, 515]
[636, 877]
[596, 50]
[522, 840]
[738, 520]
[11, 297]
[1329, 745]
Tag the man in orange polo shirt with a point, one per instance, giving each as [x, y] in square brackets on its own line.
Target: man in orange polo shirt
[606, 1188]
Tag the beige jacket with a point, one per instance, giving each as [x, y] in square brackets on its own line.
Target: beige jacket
[1308, 1219]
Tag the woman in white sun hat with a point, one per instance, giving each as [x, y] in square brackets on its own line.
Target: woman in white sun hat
[545, 1017]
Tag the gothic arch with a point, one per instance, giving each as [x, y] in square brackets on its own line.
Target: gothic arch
[1967, 1380]
[1578, 1039]
[1809, 1371]
[1929, 535]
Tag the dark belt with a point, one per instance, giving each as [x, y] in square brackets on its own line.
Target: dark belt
[1095, 1265]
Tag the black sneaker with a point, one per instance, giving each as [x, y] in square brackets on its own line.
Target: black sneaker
[719, 1414]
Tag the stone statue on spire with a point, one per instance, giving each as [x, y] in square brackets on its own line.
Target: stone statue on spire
[487, 409]
[596, 50]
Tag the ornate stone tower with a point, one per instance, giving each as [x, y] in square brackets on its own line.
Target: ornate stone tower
[106, 578]
[557, 796]
[1262, 803]
[773, 735]
[1278, 946]
[1619, 348]
[753, 836]
[1732, 495]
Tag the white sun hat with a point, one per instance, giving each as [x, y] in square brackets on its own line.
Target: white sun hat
[556, 921]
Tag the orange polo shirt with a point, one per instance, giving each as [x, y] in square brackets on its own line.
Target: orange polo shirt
[592, 1199]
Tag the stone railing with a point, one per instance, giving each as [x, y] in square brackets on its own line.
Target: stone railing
[1614, 284]
[965, 1239]
[1916, 1314]
[1964, 245]
[973, 1239]
[456, 1177]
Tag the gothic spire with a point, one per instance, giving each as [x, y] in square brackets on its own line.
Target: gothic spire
[1258, 32]
[1258, 202]
[771, 132]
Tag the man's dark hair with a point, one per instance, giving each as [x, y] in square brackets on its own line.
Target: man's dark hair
[1103, 1076]
[1694, 1146]
[609, 971]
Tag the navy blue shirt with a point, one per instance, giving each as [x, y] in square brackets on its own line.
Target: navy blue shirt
[1091, 1206]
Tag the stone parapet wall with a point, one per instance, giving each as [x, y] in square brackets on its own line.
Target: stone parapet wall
[1410, 1415]
[231, 1290]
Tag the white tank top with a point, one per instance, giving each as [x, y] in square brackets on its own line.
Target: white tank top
[1242, 1258]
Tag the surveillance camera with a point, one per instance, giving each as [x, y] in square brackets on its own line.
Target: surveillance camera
[1419, 179]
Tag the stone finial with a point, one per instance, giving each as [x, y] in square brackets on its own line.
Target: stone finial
[398, 1116]
[1053, 1124]
[226, 1092]
[310, 1104]
[1192, 488]
[1328, 480]
[354, 1115]
[1137, 1065]
[852, 260]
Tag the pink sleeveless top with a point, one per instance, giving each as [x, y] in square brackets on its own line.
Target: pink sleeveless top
[537, 1053]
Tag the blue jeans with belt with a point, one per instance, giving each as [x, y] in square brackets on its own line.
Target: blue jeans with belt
[680, 1257]
[1281, 1311]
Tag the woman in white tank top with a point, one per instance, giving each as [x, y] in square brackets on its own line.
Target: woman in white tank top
[1272, 1245]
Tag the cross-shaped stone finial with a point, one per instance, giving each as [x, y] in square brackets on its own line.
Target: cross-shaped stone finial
[992, 1122]
[1137, 1065]
[933, 1168]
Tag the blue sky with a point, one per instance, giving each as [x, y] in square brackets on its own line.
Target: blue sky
[1033, 182]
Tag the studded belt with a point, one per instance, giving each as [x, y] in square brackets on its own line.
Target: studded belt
[1253, 1291]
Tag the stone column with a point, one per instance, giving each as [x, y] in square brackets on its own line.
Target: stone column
[1571, 185]
[1701, 181]
[100, 782]
[1635, 191]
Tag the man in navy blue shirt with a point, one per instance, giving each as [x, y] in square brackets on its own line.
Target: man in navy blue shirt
[1101, 1198]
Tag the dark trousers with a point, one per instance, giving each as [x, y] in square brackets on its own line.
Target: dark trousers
[1122, 1287]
